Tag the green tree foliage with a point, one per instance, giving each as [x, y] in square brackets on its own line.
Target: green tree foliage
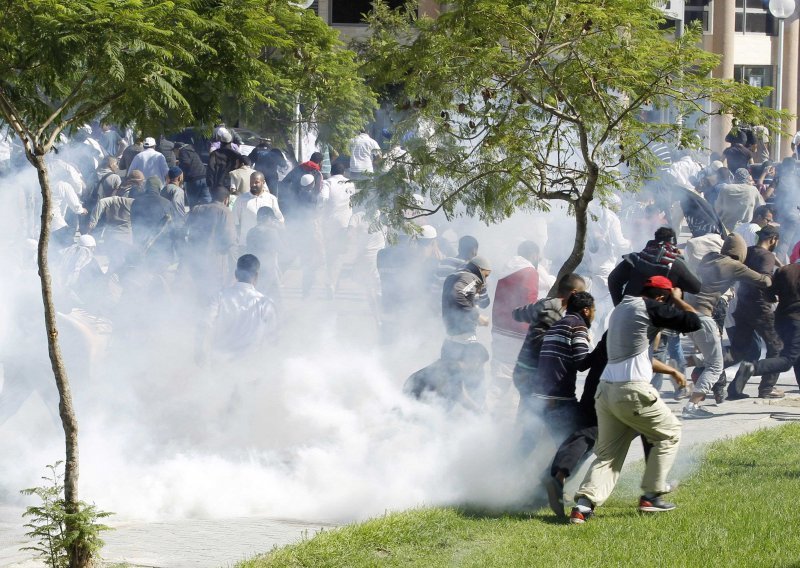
[523, 102]
[157, 63]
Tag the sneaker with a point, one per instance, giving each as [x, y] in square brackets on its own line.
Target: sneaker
[654, 504]
[578, 517]
[773, 394]
[555, 495]
[681, 393]
[692, 412]
[743, 375]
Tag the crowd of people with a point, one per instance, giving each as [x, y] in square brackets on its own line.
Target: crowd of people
[142, 217]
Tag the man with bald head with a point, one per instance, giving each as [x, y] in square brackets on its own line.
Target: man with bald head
[248, 204]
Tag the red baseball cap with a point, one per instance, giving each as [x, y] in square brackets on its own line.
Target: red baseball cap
[660, 282]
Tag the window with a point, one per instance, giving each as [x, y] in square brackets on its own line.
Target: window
[752, 16]
[695, 10]
[351, 11]
[757, 76]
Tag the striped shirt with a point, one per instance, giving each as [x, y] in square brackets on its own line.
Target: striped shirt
[564, 349]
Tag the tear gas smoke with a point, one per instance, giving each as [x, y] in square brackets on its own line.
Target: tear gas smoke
[316, 427]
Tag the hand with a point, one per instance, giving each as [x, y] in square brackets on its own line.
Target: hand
[83, 211]
[483, 321]
[677, 293]
[680, 379]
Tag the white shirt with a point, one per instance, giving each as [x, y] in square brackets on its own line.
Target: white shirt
[246, 208]
[638, 368]
[748, 232]
[684, 170]
[63, 197]
[241, 319]
[151, 163]
[337, 191]
[361, 149]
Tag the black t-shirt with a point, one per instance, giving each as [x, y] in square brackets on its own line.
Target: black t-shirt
[737, 157]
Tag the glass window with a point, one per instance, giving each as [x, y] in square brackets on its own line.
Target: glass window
[351, 11]
[752, 16]
[695, 10]
[757, 76]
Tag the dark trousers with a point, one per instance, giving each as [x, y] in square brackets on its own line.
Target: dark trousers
[789, 331]
[745, 344]
[197, 192]
[573, 451]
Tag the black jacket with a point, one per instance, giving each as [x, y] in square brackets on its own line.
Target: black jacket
[220, 163]
[191, 164]
[657, 259]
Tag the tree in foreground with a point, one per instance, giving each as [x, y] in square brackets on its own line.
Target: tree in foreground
[511, 105]
[151, 62]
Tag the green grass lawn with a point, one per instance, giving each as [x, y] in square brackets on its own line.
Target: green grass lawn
[741, 508]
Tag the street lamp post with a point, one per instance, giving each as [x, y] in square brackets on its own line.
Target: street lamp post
[780, 10]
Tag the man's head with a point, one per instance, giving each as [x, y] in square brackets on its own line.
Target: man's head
[582, 303]
[175, 176]
[768, 237]
[224, 135]
[149, 142]
[316, 157]
[243, 162]
[657, 288]
[482, 264]
[742, 175]
[221, 194]
[569, 285]
[337, 169]
[665, 235]
[763, 215]
[467, 247]
[257, 183]
[529, 250]
[247, 268]
[110, 163]
[265, 214]
[135, 178]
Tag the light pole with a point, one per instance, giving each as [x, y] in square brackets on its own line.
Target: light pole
[780, 10]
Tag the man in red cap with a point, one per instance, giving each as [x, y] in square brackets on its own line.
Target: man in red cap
[628, 405]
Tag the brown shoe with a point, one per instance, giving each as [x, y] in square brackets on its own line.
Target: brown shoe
[773, 394]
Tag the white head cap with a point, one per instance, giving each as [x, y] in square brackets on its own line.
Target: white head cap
[224, 135]
[87, 241]
[149, 142]
[428, 232]
[307, 180]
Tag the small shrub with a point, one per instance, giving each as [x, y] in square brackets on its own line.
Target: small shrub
[48, 522]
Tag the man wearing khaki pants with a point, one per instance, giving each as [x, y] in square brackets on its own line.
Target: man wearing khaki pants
[627, 405]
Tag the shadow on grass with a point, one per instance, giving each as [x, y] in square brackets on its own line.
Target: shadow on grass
[479, 513]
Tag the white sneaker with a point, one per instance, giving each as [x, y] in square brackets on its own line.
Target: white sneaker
[693, 411]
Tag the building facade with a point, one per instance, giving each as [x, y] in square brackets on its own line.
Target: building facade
[742, 32]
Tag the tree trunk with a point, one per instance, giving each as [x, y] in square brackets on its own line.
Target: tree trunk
[581, 225]
[79, 554]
